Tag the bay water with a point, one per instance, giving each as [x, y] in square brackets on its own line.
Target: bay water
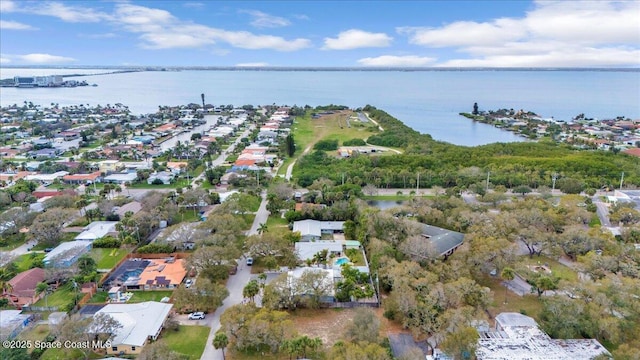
[427, 101]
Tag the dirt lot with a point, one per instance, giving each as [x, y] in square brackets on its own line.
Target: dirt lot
[329, 324]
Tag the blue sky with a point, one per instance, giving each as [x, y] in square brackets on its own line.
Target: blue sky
[504, 33]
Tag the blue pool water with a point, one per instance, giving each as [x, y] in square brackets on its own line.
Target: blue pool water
[342, 260]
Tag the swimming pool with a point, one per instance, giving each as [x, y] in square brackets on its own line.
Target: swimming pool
[341, 261]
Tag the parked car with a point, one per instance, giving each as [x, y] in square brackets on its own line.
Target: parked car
[196, 315]
[249, 261]
[188, 283]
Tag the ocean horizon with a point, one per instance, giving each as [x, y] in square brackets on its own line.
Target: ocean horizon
[428, 100]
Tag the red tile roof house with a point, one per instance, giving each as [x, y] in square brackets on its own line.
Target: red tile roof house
[633, 152]
[82, 178]
[22, 288]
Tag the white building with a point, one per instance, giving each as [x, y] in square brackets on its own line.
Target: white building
[518, 337]
[313, 229]
[97, 229]
[65, 254]
[140, 322]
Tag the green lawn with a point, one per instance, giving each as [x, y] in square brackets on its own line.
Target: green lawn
[528, 304]
[36, 333]
[107, 258]
[62, 297]
[188, 340]
[25, 262]
[276, 222]
[99, 298]
[155, 295]
[557, 269]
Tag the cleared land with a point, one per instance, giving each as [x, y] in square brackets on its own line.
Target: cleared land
[188, 340]
[308, 131]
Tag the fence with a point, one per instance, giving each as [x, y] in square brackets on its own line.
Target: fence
[351, 304]
[140, 256]
[40, 308]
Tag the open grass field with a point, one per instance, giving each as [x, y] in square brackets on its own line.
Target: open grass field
[557, 269]
[531, 305]
[107, 258]
[307, 131]
[188, 340]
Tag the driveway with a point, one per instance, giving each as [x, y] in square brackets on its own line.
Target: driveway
[603, 212]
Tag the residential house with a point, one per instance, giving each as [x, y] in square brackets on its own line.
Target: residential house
[633, 152]
[67, 253]
[176, 167]
[12, 322]
[133, 207]
[121, 178]
[141, 324]
[308, 249]
[22, 288]
[41, 194]
[518, 337]
[164, 176]
[48, 153]
[46, 178]
[97, 230]
[313, 229]
[108, 166]
[94, 177]
[443, 241]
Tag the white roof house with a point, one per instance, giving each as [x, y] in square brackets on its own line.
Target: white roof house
[306, 250]
[96, 230]
[517, 337]
[140, 322]
[313, 229]
[121, 178]
[66, 253]
[46, 177]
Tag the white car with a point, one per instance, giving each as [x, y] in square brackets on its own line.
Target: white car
[196, 316]
[188, 283]
[249, 261]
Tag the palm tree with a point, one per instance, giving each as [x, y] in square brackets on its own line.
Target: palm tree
[507, 274]
[262, 228]
[220, 341]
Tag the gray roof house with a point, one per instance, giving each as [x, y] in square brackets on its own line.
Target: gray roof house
[164, 176]
[444, 241]
[313, 229]
[98, 229]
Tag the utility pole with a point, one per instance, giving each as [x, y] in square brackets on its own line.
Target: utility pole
[488, 175]
[621, 180]
[418, 184]
[554, 177]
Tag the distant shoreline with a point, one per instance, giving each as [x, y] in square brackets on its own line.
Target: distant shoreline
[306, 68]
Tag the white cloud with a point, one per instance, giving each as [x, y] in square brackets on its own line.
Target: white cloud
[44, 59]
[354, 39]
[554, 33]
[159, 29]
[73, 14]
[254, 64]
[4, 60]
[264, 20]
[14, 25]
[99, 36]
[7, 6]
[397, 61]
[193, 5]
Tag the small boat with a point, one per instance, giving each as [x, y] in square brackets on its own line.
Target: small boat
[94, 85]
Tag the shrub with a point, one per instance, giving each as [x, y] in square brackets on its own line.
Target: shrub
[354, 142]
[107, 242]
[326, 145]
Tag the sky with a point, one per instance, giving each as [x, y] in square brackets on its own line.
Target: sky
[596, 33]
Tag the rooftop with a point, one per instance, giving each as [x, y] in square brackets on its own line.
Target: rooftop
[517, 337]
[96, 230]
[139, 321]
[443, 240]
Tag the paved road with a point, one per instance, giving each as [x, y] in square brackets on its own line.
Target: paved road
[287, 176]
[603, 212]
[223, 155]
[235, 285]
